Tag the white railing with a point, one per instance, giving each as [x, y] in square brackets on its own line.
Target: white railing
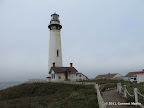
[140, 94]
[36, 80]
[75, 82]
[125, 93]
[66, 82]
[100, 99]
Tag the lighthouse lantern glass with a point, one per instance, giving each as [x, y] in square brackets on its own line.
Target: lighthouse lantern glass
[55, 17]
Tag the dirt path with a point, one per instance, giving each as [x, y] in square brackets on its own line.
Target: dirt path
[112, 97]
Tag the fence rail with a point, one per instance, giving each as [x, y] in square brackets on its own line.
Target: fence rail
[140, 94]
[128, 93]
[136, 93]
[36, 80]
[100, 99]
[66, 82]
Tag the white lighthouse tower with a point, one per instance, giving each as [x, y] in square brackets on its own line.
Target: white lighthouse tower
[55, 51]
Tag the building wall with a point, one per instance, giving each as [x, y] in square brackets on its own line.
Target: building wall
[54, 45]
[61, 76]
[140, 77]
[117, 76]
[72, 76]
[80, 77]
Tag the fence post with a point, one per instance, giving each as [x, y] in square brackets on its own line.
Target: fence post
[136, 95]
[125, 94]
[119, 88]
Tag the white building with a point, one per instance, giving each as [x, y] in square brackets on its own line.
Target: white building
[136, 76]
[63, 73]
[81, 77]
[131, 76]
[55, 51]
[140, 77]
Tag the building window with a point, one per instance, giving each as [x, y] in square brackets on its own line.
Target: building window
[57, 53]
[79, 75]
[53, 76]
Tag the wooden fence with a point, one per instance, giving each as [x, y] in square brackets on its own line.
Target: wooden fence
[100, 99]
[125, 93]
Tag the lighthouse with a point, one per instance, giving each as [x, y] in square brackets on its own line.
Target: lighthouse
[55, 51]
[56, 71]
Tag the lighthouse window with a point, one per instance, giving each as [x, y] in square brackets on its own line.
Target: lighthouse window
[57, 53]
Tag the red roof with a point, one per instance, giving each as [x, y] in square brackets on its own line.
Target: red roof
[134, 73]
[106, 76]
[63, 69]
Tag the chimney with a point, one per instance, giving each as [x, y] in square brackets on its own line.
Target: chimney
[143, 69]
[71, 64]
[53, 64]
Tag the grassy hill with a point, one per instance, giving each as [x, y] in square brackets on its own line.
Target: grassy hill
[48, 95]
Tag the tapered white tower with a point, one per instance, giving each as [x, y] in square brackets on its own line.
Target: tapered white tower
[55, 51]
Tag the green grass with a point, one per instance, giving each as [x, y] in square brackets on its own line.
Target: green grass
[48, 95]
[107, 83]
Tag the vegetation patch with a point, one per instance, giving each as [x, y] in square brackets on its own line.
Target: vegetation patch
[48, 95]
[107, 84]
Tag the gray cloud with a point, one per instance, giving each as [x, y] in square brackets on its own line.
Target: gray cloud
[97, 36]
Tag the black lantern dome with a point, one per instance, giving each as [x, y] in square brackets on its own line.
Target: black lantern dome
[54, 23]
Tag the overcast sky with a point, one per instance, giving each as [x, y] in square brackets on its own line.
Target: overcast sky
[98, 36]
